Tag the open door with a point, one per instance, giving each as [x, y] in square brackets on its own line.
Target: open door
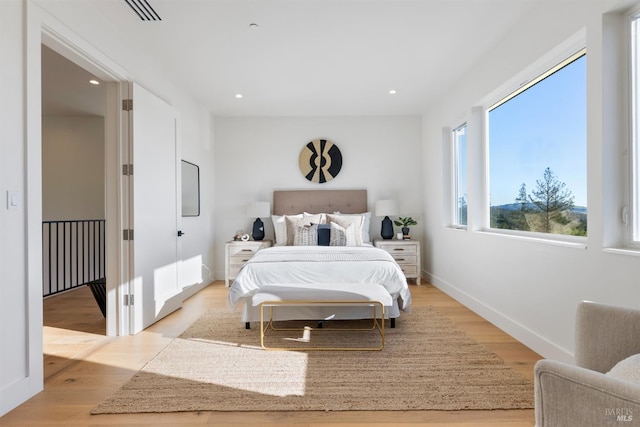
[153, 211]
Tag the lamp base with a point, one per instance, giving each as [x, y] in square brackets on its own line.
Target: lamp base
[258, 230]
[387, 228]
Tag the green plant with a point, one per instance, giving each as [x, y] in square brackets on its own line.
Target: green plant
[405, 222]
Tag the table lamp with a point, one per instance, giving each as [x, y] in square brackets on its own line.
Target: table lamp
[258, 210]
[386, 208]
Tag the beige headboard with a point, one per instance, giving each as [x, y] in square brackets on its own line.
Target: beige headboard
[291, 202]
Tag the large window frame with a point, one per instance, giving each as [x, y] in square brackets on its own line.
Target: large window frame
[631, 214]
[556, 62]
[459, 199]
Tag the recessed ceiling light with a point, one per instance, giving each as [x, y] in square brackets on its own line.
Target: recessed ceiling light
[238, 95]
[393, 92]
[94, 82]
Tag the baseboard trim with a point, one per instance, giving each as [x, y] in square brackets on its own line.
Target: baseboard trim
[534, 341]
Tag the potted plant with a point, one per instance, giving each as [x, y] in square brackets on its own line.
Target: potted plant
[405, 223]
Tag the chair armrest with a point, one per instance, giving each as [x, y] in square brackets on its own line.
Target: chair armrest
[605, 335]
[567, 395]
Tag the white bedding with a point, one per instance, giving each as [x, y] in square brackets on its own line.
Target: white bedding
[317, 265]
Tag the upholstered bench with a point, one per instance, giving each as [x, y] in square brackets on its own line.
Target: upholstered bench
[327, 294]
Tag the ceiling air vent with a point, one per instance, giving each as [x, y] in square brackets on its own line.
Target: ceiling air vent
[143, 9]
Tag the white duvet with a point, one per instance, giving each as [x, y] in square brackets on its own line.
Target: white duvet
[321, 264]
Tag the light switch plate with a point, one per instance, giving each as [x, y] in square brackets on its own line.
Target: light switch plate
[14, 200]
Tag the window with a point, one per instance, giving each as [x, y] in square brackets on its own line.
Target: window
[635, 130]
[459, 150]
[537, 148]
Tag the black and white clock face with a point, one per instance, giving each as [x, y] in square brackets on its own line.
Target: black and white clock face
[320, 161]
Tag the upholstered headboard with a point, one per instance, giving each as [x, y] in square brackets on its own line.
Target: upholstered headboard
[291, 202]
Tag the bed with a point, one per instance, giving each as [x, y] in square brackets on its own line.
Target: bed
[297, 256]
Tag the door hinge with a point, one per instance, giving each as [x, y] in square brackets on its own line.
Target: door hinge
[128, 300]
[127, 105]
[127, 170]
[127, 234]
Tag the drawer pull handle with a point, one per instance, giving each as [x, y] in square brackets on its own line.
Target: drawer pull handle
[247, 250]
[398, 249]
[399, 259]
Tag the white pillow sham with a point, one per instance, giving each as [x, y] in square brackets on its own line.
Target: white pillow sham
[343, 236]
[366, 225]
[280, 227]
[347, 220]
[292, 223]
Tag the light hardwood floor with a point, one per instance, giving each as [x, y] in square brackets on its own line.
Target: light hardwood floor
[83, 367]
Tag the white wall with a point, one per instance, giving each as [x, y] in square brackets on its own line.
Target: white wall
[528, 288]
[255, 156]
[72, 168]
[21, 25]
[16, 379]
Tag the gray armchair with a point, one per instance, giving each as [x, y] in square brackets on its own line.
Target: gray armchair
[587, 394]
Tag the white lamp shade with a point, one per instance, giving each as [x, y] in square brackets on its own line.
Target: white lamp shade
[386, 207]
[259, 209]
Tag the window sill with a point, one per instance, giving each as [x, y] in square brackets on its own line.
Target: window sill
[576, 243]
[622, 251]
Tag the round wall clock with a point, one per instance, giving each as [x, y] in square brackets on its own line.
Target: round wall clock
[320, 161]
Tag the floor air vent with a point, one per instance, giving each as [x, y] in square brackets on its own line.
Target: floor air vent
[143, 9]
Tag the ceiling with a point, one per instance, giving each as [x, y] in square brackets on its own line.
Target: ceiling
[302, 58]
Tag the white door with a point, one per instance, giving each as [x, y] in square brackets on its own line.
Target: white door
[154, 210]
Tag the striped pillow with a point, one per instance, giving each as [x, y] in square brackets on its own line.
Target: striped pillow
[341, 236]
[306, 235]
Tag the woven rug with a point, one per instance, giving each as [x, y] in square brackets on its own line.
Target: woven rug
[427, 364]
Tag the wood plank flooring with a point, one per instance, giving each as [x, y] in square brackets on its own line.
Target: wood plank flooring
[84, 367]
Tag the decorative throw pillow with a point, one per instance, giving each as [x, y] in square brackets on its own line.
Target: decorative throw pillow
[341, 236]
[627, 369]
[280, 227]
[324, 234]
[306, 235]
[293, 222]
[323, 216]
[366, 225]
[348, 220]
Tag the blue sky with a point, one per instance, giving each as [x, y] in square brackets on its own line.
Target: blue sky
[545, 126]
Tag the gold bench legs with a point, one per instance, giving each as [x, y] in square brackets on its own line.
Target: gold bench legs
[377, 323]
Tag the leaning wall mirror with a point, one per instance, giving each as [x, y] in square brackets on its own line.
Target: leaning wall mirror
[190, 189]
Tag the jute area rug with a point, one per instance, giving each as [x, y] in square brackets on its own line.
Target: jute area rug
[427, 364]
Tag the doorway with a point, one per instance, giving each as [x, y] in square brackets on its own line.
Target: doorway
[73, 210]
[88, 126]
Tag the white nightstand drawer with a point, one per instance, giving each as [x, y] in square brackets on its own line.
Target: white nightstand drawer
[406, 253]
[410, 271]
[246, 248]
[233, 270]
[405, 259]
[241, 259]
[401, 249]
[237, 253]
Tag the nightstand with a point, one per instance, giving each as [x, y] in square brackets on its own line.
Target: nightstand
[406, 253]
[237, 253]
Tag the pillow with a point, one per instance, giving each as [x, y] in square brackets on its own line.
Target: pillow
[324, 234]
[306, 235]
[280, 227]
[347, 220]
[323, 217]
[366, 225]
[627, 369]
[293, 222]
[341, 236]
